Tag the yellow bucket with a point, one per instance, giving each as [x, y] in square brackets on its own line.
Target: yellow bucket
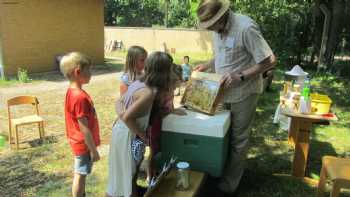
[320, 103]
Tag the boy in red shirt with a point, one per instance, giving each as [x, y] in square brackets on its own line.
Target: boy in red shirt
[81, 120]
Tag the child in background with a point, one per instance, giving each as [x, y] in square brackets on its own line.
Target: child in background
[133, 69]
[162, 106]
[186, 69]
[134, 110]
[82, 128]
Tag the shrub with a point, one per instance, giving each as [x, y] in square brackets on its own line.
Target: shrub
[22, 75]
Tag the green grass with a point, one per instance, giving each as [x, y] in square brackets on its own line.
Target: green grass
[270, 154]
[46, 170]
[31, 79]
[8, 82]
[195, 57]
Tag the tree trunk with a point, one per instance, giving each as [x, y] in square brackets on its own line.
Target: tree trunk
[347, 27]
[167, 2]
[336, 27]
[325, 33]
[318, 18]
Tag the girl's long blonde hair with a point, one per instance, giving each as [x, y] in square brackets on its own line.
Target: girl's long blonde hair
[134, 53]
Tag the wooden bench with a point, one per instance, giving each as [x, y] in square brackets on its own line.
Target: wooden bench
[167, 186]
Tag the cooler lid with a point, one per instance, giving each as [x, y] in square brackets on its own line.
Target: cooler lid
[196, 123]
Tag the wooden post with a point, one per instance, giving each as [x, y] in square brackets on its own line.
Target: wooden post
[301, 148]
[293, 131]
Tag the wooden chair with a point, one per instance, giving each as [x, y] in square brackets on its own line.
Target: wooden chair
[338, 170]
[31, 119]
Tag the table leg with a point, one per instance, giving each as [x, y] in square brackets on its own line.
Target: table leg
[293, 131]
[301, 148]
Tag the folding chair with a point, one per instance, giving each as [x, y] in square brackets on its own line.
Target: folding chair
[24, 120]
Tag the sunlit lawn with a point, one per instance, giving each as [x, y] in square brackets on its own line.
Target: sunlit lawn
[8, 82]
[195, 57]
[46, 170]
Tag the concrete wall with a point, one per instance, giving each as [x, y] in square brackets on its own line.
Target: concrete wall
[152, 39]
[34, 31]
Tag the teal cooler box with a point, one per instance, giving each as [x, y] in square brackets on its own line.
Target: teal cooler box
[199, 139]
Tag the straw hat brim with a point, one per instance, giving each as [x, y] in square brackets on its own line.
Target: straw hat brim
[205, 24]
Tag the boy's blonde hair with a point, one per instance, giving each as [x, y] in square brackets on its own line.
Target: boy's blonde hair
[74, 60]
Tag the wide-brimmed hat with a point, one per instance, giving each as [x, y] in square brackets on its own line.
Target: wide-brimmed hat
[210, 11]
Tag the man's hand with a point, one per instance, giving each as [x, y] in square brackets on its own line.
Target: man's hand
[229, 80]
[94, 156]
[205, 66]
[200, 68]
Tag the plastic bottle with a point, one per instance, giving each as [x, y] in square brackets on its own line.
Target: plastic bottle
[306, 89]
[305, 101]
[2, 142]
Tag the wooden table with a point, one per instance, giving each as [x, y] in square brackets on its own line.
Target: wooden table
[167, 186]
[299, 137]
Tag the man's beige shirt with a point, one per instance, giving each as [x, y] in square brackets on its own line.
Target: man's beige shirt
[242, 47]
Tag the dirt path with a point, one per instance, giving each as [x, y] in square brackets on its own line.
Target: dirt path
[45, 86]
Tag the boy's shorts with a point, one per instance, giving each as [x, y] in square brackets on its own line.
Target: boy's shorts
[82, 164]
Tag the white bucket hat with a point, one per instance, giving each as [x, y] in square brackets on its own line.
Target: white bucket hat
[205, 12]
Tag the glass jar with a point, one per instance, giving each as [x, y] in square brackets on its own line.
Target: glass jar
[183, 177]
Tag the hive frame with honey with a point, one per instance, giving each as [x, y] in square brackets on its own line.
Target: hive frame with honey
[203, 92]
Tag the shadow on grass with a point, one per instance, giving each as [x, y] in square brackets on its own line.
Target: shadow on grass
[113, 65]
[267, 155]
[45, 140]
[264, 184]
[270, 154]
[19, 176]
[317, 150]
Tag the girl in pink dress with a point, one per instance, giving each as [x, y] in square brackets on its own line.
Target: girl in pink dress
[162, 106]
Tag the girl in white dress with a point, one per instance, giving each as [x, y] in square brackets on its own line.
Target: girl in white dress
[133, 110]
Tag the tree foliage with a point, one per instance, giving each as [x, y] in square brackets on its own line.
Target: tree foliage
[285, 24]
[147, 13]
[180, 14]
[133, 13]
[293, 28]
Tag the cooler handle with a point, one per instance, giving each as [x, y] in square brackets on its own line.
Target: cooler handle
[191, 142]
